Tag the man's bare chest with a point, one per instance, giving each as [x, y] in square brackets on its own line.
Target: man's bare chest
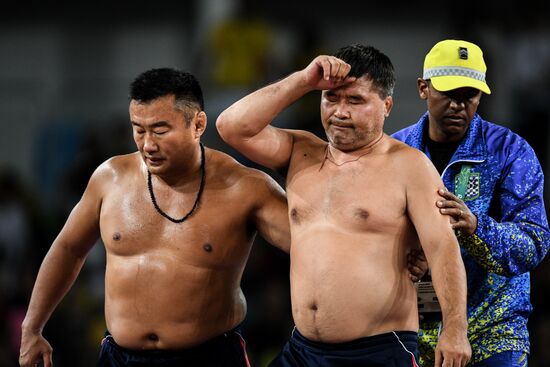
[359, 197]
[131, 225]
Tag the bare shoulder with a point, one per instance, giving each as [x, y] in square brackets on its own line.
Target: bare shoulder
[230, 173]
[407, 157]
[305, 144]
[414, 168]
[115, 170]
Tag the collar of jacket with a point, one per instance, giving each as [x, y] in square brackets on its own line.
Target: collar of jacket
[471, 148]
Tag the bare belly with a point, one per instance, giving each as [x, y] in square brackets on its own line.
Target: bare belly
[148, 307]
[350, 285]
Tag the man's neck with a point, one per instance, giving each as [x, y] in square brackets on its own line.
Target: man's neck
[439, 136]
[441, 152]
[340, 157]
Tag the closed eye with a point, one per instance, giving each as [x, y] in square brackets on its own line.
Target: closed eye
[330, 96]
[355, 99]
[138, 129]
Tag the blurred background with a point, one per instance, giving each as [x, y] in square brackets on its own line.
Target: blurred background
[64, 75]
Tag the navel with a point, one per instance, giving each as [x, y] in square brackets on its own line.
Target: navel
[153, 337]
[116, 236]
[207, 247]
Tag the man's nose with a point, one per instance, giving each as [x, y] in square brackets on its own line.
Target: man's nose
[149, 144]
[457, 103]
[342, 111]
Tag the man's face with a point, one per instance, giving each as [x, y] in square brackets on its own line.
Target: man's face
[353, 115]
[162, 135]
[450, 112]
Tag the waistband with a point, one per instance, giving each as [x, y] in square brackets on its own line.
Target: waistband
[210, 343]
[374, 341]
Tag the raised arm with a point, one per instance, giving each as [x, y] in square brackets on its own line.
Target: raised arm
[443, 254]
[58, 272]
[245, 125]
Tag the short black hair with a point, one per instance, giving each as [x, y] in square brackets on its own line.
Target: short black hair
[367, 60]
[155, 83]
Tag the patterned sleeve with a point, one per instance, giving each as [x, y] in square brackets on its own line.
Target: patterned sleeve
[519, 242]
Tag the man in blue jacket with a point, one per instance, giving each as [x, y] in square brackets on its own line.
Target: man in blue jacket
[494, 198]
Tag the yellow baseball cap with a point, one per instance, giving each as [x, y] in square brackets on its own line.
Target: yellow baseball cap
[453, 64]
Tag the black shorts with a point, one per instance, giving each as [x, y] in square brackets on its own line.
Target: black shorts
[226, 350]
[395, 349]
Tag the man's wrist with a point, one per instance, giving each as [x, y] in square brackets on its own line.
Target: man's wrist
[455, 323]
[29, 328]
[299, 78]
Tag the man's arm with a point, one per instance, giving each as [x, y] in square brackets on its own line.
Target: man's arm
[518, 241]
[443, 254]
[245, 125]
[271, 215]
[58, 272]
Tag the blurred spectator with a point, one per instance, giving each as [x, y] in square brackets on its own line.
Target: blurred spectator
[16, 260]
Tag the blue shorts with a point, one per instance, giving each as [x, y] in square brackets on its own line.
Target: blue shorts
[510, 358]
[395, 349]
[226, 350]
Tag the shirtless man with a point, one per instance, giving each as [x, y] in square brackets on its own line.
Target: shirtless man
[357, 206]
[177, 221]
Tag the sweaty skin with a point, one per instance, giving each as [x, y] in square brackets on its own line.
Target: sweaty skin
[358, 205]
[351, 239]
[167, 285]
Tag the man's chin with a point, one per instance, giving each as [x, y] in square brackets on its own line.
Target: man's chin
[456, 124]
[344, 143]
[338, 140]
[455, 130]
[155, 169]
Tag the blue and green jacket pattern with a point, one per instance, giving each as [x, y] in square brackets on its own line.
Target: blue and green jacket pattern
[505, 192]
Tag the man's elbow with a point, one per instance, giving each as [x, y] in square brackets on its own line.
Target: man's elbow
[223, 126]
[233, 133]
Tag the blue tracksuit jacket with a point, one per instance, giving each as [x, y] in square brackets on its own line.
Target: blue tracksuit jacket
[505, 192]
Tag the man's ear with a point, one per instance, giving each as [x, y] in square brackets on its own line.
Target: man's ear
[388, 105]
[200, 123]
[422, 88]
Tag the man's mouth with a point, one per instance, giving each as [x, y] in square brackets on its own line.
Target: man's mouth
[340, 125]
[457, 119]
[154, 161]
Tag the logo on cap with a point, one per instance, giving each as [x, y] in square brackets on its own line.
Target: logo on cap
[463, 53]
[453, 64]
